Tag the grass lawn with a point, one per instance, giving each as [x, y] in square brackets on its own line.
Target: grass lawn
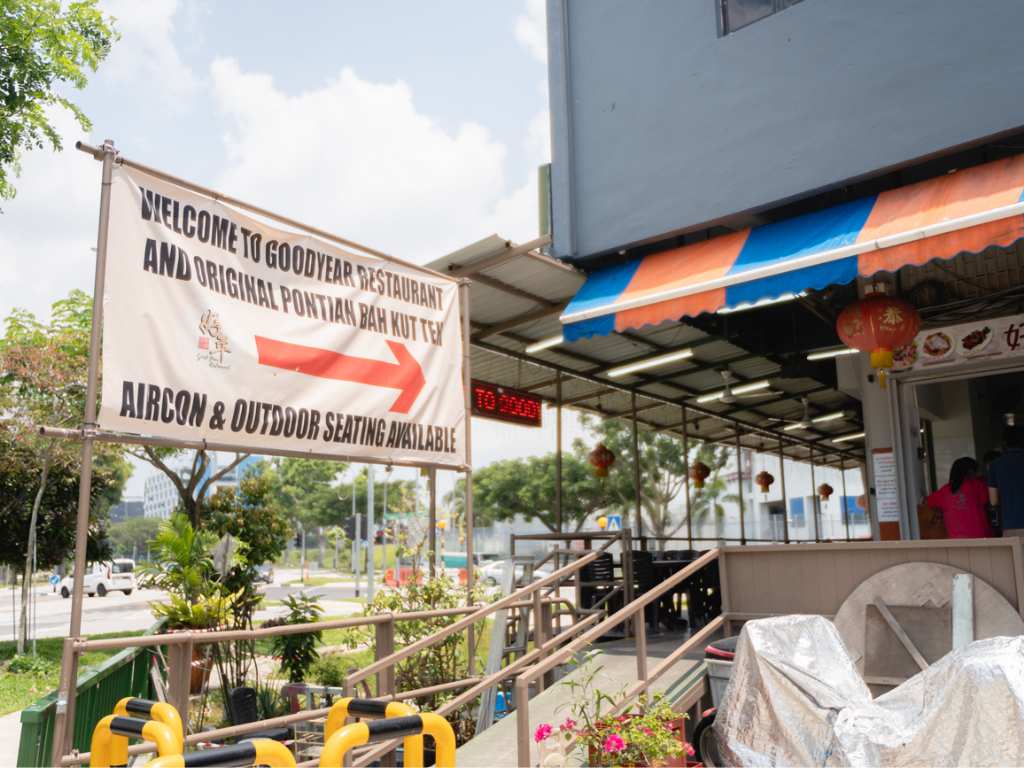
[316, 581]
[20, 689]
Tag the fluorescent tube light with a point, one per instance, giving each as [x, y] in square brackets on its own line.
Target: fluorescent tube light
[832, 353]
[762, 303]
[847, 438]
[540, 346]
[743, 389]
[829, 417]
[794, 427]
[651, 362]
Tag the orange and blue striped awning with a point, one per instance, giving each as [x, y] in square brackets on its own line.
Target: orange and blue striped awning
[962, 212]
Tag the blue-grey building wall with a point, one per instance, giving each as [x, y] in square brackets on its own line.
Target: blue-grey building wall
[662, 126]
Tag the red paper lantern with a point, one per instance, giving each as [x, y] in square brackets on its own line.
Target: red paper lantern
[699, 472]
[601, 458]
[764, 480]
[878, 324]
[825, 490]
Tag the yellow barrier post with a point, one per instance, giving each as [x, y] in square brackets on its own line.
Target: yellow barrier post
[412, 746]
[109, 745]
[268, 752]
[358, 734]
[153, 710]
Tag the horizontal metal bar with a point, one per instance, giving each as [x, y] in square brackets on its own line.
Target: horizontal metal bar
[107, 436]
[497, 259]
[97, 153]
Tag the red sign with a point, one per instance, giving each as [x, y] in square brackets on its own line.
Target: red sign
[505, 404]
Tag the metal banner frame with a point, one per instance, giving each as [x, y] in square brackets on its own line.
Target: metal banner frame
[90, 431]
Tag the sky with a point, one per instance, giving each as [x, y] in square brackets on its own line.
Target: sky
[413, 128]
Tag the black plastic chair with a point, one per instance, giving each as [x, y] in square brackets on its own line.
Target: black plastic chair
[242, 702]
[597, 580]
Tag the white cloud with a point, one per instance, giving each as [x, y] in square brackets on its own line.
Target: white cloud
[531, 30]
[146, 50]
[48, 231]
[357, 158]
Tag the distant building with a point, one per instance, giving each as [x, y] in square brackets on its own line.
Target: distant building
[127, 508]
[161, 496]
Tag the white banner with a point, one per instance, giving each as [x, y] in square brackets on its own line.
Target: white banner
[977, 340]
[221, 328]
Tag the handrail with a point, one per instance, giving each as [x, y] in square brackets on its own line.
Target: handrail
[509, 600]
[628, 611]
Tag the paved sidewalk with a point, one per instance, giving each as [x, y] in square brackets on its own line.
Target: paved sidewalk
[10, 735]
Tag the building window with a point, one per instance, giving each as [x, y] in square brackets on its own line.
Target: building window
[737, 14]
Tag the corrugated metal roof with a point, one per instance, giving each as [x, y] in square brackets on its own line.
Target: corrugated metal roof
[515, 300]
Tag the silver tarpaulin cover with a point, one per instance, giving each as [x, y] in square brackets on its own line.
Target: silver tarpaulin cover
[795, 698]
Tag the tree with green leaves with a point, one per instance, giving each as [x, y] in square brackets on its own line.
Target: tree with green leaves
[44, 45]
[308, 489]
[43, 369]
[526, 487]
[132, 535]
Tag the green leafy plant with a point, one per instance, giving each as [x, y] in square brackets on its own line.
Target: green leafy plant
[651, 733]
[30, 665]
[297, 652]
[269, 702]
[330, 671]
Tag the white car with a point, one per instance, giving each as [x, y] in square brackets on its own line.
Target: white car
[101, 578]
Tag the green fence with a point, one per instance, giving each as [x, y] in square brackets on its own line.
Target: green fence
[99, 689]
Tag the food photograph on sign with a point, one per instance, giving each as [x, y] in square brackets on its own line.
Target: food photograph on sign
[974, 341]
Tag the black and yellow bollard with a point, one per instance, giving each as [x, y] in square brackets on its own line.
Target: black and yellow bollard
[109, 746]
[412, 746]
[423, 724]
[160, 711]
[268, 752]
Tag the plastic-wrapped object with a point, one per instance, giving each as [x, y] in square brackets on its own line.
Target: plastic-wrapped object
[791, 679]
[965, 709]
[795, 698]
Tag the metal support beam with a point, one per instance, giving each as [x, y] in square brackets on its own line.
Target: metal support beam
[467, 387]
[432, 519]
[846, 511]
[510, 252]
[814, 497]
[558, 453]
[637, 492]
[785, 500]
[739, 489]
[686, 480]
[64, 725]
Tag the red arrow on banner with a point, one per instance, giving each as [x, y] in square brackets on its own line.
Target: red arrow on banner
[406, 374]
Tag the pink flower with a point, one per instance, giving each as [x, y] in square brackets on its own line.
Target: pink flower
[690, 751]
[542, 732]
[648, 732]
[568, 725]
[614, 743]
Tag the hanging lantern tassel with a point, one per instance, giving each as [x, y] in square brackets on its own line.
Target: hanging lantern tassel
[699, 472]
[824, 491]
[764, 481]
[601, 458]
[878, 324]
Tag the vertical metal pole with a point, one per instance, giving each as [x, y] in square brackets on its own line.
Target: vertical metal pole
[432, 520]
[467, 389]
[686, 481]
[371, 535]
[357, 552]
[637, 497]
[814, 495]
[64, 725]
[845, 507]
[739, 486]
[785, 500]
[558, 451]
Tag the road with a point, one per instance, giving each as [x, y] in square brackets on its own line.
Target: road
[119, 612]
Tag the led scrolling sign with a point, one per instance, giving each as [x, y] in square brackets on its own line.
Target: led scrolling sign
[504, 404]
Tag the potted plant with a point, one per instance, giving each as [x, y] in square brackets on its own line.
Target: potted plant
[649, 734]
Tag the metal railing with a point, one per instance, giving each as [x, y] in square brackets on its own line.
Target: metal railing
[98, 690]
[179, 649]
[633, 611]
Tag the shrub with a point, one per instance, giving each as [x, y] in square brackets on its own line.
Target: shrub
[297, 652]
[330, 671]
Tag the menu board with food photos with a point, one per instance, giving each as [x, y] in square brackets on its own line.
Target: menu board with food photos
[966, 342]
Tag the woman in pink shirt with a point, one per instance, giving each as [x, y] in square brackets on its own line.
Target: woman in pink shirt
[962, 502]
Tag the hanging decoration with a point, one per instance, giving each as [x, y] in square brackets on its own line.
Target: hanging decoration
[764, 480]
[878, 324]
[601, 458]
[602, 522]
[442, 524]
[825, 490]
[699, 472]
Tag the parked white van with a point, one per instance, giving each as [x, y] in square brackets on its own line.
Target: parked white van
[101, 578]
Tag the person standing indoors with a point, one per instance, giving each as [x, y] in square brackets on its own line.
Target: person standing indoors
[1006, 483]
[962, 502]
